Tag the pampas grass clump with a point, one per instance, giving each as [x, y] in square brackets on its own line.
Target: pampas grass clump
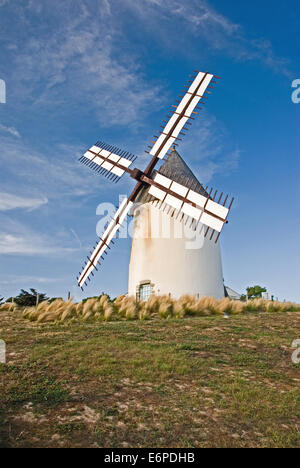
[127, 308]
[205, 306]
[237, 307]
[8, 307]
[185, 305]
[165, 307]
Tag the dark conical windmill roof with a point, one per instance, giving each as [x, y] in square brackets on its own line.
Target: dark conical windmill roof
[176, 169]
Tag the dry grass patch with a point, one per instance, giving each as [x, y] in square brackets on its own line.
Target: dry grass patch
[163, 307]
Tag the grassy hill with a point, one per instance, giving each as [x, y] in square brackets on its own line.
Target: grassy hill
[192, 382]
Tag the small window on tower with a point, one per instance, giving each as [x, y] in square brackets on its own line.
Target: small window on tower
[145, 291]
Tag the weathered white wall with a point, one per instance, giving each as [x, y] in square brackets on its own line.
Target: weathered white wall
[169, 262]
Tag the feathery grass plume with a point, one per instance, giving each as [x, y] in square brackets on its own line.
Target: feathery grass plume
[289, 307]
[152, 305]
[43, 306]
[131, 311]
[198, 308]
[8, 307]
[205, 306]
[224, 306]
[259, 304]
[69, 312]
[178, 309]
[79, 309]
[249, 306]
[25, 313]
[185, 305]
[237, 307]
[165, 309]
[31, 313]
[104, 300]
[102, 305]
[96, 307]
[293, 306]
[255, 305]
[87, 315]
[108, 312]
[149, 308]
[127, 307]
[119, 300]
[90, 307]
[144, 311]
[55, 305]
[278, 306]
[284, 306]
[87, 310]
[51, 315]
[212, 306]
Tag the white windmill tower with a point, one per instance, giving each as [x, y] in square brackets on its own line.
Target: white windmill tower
[173, 187]
[169, 256]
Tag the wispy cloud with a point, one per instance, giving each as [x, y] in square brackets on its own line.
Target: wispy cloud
[209, 148]
[17, 239]
[76, 237]
[23, 279]
[9, 201]
[197, 13]
[55, 172]
[11, 130]
[203, 20]
[81, 59]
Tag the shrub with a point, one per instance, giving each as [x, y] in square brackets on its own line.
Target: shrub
[29, 299]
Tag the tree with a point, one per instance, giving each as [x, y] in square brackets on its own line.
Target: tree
[29, 299]
[255, 291]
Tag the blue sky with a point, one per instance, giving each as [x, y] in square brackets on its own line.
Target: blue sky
[78, 71]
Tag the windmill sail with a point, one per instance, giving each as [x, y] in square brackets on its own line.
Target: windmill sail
[112, 162]
[181, 115]
[108, 160]
[104, 242]
[195, 205]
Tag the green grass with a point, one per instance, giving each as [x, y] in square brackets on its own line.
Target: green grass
[194, 382]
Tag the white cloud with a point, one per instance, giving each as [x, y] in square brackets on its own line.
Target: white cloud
[202, 20]
[15, 279]
[17, 239]
[209, 149]
[82, 61]
[107, 7]
[196, 12]
[11, 130]
[56, 173]
[9, 201]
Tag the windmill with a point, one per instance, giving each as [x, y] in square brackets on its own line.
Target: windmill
[188, 201]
